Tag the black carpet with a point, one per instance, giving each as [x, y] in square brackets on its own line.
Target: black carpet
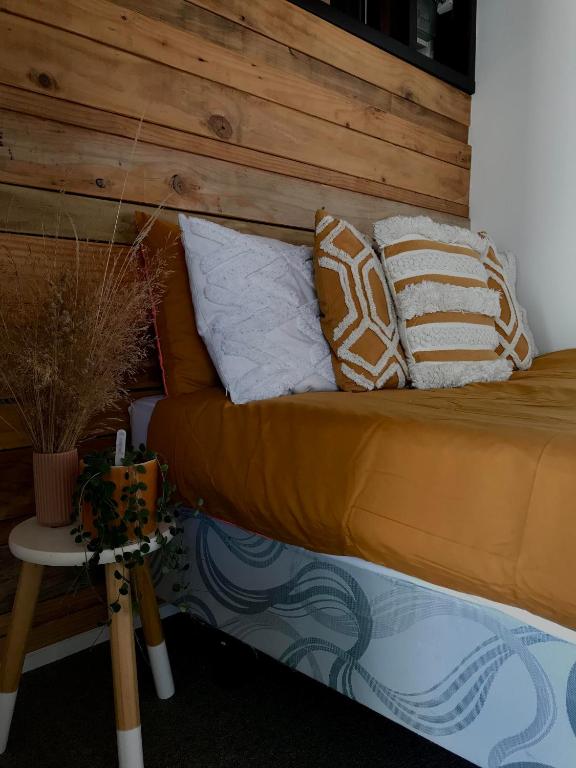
[231, 708]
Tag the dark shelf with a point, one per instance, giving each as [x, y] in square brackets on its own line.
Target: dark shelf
[392, 26]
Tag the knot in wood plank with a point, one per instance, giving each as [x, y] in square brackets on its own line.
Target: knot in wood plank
[220, 126]
[43, 79]
[177, 184]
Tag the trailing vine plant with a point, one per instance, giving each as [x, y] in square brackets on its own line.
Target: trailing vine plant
[115, 526]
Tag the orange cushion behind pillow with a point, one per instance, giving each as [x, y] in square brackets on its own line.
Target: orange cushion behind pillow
[186, 364]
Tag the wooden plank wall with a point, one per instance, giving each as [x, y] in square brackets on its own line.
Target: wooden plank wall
[252, 112]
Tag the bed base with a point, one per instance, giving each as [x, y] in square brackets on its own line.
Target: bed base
[461, 672]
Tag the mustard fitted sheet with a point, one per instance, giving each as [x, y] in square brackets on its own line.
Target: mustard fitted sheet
[471, 488]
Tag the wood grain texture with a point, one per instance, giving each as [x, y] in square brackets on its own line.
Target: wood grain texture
[189, 52]
[91, 163]
[57, 582]
[105, 423]
[16, 489]
[28, 253]
[36, 211]
[310, 34]
[225, 32]
[38, 57]
[45, 107]
[123, 655]
[57, 618]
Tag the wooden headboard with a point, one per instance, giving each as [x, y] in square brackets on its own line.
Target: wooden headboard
[251, 112]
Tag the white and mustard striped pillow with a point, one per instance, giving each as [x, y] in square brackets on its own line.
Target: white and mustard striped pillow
[445, 308]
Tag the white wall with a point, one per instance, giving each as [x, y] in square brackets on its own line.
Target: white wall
[523, 138]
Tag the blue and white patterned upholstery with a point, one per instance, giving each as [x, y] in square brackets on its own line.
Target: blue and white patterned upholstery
[463, 673]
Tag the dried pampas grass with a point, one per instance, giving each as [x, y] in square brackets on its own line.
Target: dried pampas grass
[74, 327]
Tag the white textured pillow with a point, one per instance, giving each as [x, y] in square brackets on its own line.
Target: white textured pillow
[257, 311]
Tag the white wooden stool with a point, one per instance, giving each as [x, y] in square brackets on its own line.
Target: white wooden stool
[37, 546]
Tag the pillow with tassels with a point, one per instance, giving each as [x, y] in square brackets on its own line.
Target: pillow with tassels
[446, 311]
[516, 342]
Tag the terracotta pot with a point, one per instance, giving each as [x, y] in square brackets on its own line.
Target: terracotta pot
[118, 476]
[54, 481]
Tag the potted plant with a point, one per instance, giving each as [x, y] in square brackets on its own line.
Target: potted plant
[72, 332]
[126, 501]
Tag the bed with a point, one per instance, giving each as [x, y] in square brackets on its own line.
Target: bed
[396, 577]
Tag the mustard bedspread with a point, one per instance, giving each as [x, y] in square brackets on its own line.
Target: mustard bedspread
[472, 488]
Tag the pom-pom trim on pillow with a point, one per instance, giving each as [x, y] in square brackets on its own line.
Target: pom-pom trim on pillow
[446, 310]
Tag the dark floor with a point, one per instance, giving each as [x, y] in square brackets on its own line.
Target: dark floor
[231, 708]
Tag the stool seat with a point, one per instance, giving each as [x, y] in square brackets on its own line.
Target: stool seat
[33, 543]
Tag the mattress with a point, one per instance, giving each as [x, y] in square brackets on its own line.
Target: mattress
[472, 489]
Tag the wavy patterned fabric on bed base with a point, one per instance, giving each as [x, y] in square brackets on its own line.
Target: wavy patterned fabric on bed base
[498, 692]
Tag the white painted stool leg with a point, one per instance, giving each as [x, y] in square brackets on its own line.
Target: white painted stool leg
[15, 644]
[153, 634]
[161, 670]
[130, 754]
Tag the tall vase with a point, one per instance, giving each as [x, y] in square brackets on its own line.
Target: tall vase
[54, 482]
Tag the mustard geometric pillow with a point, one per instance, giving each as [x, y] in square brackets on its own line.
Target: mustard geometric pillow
[446, 310]
[516, 342]
[356, 311]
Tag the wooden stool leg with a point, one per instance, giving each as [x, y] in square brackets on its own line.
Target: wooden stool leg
[15, 644]
[128, 730]
[153, 634]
